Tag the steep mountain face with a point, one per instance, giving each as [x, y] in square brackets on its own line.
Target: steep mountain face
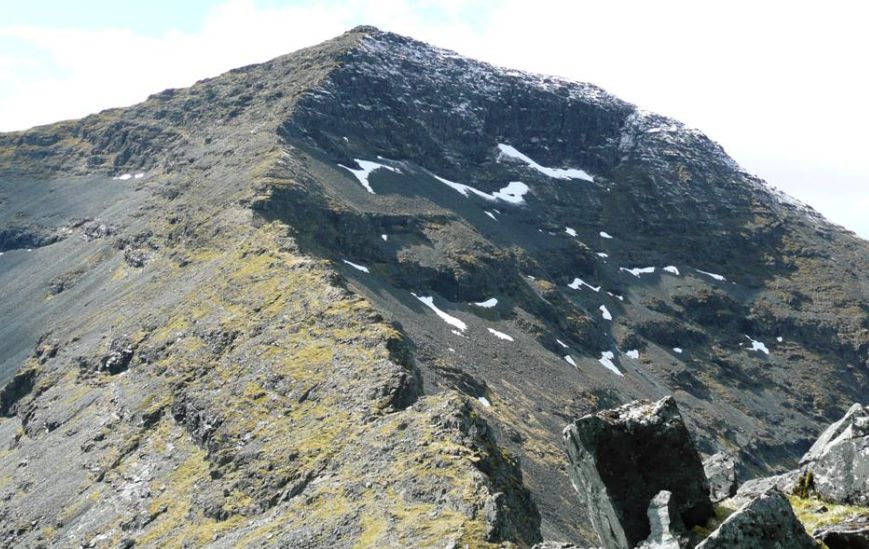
[350, 297]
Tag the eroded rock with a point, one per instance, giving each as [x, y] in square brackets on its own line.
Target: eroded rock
[767, 522]
[720, 471]
[620, 459]
[663, 520]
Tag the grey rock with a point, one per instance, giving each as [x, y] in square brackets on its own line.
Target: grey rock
[663, 520]
[767, 522]
[851, 534]
[720, 471]
[620, 459]
[837, 465]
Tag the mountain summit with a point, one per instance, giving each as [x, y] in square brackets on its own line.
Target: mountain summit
[350, 297]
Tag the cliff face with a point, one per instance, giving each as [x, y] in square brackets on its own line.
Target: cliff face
[351, 297]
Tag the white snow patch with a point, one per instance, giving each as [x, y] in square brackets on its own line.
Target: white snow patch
[451, 349]
[514, 193]
[556, 173]
[366, 167]
[779, 338]
[139, 175]
[500, 335]
[570, 360]
[633, 353]
[385, 237]
[458, 333]
[604, 234]
[620, 298]
[356, 266]
[490, 214]
[637, 271]
[530, 277]
[677, 350]
[602, 254]
[606, 358]
[428, 301]
[123, 177]
[717, 277]
[571, 232]
[672, 269]
[563, 344]
[488, 304]
[605, 313]
[758, 346]
[29, 249]
[578, 283]
[485, 402]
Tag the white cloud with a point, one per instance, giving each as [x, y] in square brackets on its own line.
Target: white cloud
[779, 84]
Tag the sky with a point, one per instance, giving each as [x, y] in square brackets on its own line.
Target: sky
[783, 86]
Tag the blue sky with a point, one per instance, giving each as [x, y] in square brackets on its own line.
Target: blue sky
[779, 84]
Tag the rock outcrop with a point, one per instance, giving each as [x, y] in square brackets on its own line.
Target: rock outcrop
[621, 459]
[767, 522]
[836, 467]
[720, 471]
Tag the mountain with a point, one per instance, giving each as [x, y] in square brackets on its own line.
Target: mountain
[351, 297]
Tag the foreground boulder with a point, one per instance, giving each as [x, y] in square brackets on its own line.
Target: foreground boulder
[767, 522]
[720, 471]
[621, 459]
[836, 467]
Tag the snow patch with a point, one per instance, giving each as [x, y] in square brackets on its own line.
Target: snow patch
[385, 237]
[570, 360]
[578, 283]
[604, 234]
[677, 350]
[366, 167]
[633, 354]
[123, 177]
[139, 175]
[717, 277]
[500, 335]
[488, 304]
[606, 358]
[356, 266]
[485, 402]
[428, 301]
[758, 346]
[514, 193]
[620, 298]
[672, 269]
[571, 232]
[779, 338]
[605, 313]
[556, 173]
[602, 254]
[563, 344]
[490, 214]
[637, 271]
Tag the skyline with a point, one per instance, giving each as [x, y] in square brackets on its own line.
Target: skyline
[777, 85]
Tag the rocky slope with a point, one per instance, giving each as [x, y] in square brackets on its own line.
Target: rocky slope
[351, 296]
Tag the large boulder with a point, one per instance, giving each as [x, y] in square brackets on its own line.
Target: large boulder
[836, 467]
[850, 534]
[766, 522]
[720, 471]
[620, 459]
